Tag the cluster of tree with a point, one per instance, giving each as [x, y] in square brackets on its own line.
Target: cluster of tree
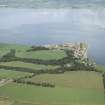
[37, 48]
[10, 54]
[37, 61]
[43, 84]
[8, 59]
[84, 65]
[69, 53]
[78, 63]
[47, 62]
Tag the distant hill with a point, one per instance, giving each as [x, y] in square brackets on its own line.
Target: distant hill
[52, 3]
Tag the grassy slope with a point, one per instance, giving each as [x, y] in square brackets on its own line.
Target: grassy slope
[27, 65]
[8, 74]
[78, 79]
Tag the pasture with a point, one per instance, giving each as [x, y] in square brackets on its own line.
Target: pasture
[52, 96]
[44, 55]
[8, 74]
[72, 79]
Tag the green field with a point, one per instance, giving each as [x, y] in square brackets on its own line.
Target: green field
[52, 96]
[44, 55]
[8, 74]
[73, 79]
[27, 65]
[5, 48]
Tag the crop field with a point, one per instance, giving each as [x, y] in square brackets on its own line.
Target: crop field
[73, 79]
[27, 65]
[8, 74]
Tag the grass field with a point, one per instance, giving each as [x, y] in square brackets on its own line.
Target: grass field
[27, 65]
[44, 55]
[52, 96]
[8, 74]
[73, 79]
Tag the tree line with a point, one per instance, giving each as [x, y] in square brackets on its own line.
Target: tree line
[36, 71]
[37, 48]
[43, 83]
[104, 80]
